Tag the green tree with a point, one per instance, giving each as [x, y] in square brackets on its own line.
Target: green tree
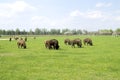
[65, 30]
[55, 31]
[17, 32]
[117, 30]
[31, 32]
[37, 31]
[79, 31]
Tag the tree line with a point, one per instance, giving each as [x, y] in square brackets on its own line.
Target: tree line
[44, 31]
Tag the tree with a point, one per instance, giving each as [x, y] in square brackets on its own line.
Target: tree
[85, 32]
[17, 32]
[4, 32]
[105, 32]
[23, 32]
[43, 31]
[1, 32]
[37, 31]
[117, 30]
[65, 30]
[31, 32]
[55, 31]
[74, 31]
[79, 31]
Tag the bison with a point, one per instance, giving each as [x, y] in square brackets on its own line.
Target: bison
[87, 41]
[16, 38]
[52, 44]
[67, 41]
[10, 39]
[21, 43]
[25, 38]
[77, 42]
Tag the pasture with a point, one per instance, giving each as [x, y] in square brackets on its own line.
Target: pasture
[98, 62]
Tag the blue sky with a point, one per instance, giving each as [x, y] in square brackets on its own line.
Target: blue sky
[91, 15]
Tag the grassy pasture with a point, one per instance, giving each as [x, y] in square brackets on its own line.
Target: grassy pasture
[98, 62]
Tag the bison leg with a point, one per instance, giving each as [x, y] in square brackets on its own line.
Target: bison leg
[84, 43]
[18, 45]
[73, 45]
[46, 45]
[50, 47]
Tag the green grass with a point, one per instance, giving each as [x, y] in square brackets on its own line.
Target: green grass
[98, 62]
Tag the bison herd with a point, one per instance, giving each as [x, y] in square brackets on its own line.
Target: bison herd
[78, 42]
[54, 43]
[21, 43]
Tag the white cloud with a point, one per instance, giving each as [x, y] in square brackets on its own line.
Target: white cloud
[94, 14]
[117, 18]
[76, 13]
[11, 9]
[103, 5]
[22, 15]
[89, 14]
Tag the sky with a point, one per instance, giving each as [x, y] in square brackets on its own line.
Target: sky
[88, 15]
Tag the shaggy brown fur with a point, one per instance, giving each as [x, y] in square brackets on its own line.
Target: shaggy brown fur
[87, 41]
[77, 42]
[67, 41]
[21, 44]
[52, 44]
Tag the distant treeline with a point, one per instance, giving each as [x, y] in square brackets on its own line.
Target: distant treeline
[39, 31]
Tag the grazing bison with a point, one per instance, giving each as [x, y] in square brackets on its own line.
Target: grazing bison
[52, 44]
[10, 39]
[87, 41]
[67, 41]
[47, 44]
[77, 42]
[16, 38]
[21, 43]
[25, 38]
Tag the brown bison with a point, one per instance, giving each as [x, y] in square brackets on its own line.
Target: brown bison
[21, 43]
[16, 38]
[52, 44]
[87, 41]
[77, 42]
[10, 39]
[67, 41]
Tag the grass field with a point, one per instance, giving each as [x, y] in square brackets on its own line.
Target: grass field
[98, 62]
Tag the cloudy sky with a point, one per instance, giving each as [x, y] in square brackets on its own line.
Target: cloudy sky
[60, 14]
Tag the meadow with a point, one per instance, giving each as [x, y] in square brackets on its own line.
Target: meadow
[98, 62]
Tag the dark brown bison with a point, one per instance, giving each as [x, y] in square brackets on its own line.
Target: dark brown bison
[10, 39]
[87, 41]
[25, 38]
[67, 41]
[47, 44]
[77, 42]
[21, 44]
[52, 44]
